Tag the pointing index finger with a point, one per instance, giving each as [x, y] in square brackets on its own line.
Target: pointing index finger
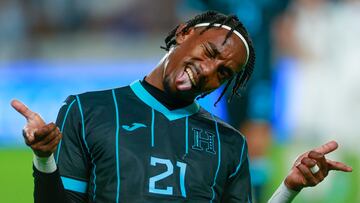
[327, 148]
[22, 109]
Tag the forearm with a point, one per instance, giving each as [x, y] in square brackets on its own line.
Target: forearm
[283, 195]
[48, 184]
[48, 187]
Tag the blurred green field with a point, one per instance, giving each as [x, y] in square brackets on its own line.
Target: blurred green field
[16, 182]
[338, 187]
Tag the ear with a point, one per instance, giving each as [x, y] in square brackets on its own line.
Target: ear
[182, 36]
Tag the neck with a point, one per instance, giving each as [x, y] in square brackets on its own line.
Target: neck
[167, 100]
[155, 78]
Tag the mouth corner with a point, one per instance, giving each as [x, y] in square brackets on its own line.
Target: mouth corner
[191, 76]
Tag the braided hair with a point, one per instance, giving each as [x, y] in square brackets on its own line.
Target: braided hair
[213, 17]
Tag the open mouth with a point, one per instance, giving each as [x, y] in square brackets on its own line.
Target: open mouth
[191, 76]
[187, 79]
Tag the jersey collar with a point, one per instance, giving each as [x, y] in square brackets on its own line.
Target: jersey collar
[148, 99]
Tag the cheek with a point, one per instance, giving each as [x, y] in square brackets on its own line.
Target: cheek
[174, 61]
[190, 49]
[211, 85]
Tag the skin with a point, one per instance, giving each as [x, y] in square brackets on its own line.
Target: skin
[300, 175]
[212, 62]
[42, 138]
[211, 70]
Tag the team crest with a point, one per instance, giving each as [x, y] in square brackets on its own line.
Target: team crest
[204, 141]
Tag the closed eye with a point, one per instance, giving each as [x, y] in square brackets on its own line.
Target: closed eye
[225, 73]
[210, 50]
[207, 52]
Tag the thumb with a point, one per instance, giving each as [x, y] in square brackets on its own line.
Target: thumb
[338, 166]
[22, 109]
[30, 116]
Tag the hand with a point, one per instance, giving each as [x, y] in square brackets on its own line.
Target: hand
[41, 137]
[300, 175]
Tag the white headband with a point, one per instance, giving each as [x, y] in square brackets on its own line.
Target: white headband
[234, 31]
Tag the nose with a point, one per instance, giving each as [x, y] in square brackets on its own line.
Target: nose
[209, 73]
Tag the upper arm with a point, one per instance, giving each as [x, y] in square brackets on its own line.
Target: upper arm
[71, 155]
[238, 185]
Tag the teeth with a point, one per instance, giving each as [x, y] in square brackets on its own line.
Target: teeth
[191, 76]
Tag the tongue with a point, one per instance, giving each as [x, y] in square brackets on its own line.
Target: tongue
[183, 82]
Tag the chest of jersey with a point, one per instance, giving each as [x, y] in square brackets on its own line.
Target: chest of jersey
[155, 159]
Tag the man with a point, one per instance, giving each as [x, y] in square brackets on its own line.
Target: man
[150, 141]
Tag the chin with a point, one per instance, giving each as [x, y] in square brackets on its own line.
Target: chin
[167, 85]
[170, 89]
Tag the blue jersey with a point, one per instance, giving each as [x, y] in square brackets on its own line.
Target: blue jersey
[123, 145]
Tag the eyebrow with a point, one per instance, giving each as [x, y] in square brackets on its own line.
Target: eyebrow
[214, 48]
[217, 52]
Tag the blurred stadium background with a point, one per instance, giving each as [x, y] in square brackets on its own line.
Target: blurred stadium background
[305, 90]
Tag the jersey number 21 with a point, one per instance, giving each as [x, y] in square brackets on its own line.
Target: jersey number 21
[169, 171]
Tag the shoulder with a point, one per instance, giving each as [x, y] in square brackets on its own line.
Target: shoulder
[223, 127]
[99, 98]
[94, 101]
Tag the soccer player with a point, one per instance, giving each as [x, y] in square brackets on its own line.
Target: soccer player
[150, 141]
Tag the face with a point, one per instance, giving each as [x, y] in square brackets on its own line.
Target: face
[200, 63]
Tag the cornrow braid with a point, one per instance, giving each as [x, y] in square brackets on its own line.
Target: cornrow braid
[213, 17]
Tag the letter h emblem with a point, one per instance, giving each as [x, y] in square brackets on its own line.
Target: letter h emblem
[206, 140]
